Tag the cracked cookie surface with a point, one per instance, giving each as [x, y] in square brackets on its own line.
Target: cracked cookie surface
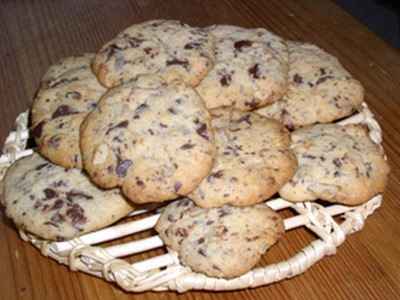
[150, 137]
[320, 89]
[250, 68]
[56, 203]
[336, 164]
[253, 160]
[219, 242]
[68, 92]
[167, 48]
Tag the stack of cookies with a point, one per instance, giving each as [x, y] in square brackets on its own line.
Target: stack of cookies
[216, 120]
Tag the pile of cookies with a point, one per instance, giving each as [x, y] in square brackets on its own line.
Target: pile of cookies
[216, 120]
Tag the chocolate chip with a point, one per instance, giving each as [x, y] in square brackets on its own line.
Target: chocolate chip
[322, 70]
[200, 241]
[162, 125]
[254, 71]
[297, 78]
[177, 186]
[54, 141]
[122, 124]
[123, 167]
[226, 80]
[50, 193]
[202, 252]
[76, 214]
[38, 129]
[57, 205]
[147, 50]
[62, 81]
[74, 195]
[323, 79]
[241, 44]
[309, 156]
[112, 50]
[187, 146]
[202, 131]
[176, 61]
[209, 222]
[337, 162]
[222, 212]
[135, 42]
[172, 111]
[63, 110]
[139, 182]
[141, 108]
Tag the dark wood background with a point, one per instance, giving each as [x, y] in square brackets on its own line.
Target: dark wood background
[35, 34]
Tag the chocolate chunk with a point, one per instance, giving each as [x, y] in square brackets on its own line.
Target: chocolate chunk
[38, 129]
[122, 124]
[202, 131]
[142, 107]
[202, 252]
[172, 111]
[76, 214]
[122, 167]
[147, 50]
[254, 71]
[297, 78]
[63, 110]
[75, 195]
[57, 205]
[176, 61]
[337, 162]
[177, 186]
[209, 222]
[323, 79]
[241, 44]
[226, 80]
[322, 70]
[49, 193]
[187, 146]
[200, 241]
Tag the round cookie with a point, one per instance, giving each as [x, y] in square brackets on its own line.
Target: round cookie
[337, 164]
[68, 92]
[320, 89]
[168, 48]
[150, 137]
[250, 71]
[219, 242]
[56, 203]
[253, 160]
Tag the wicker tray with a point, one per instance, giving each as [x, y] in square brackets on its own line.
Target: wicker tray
[164, 272]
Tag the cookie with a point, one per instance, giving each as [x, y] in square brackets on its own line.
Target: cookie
[337, 164]
[253, 160]
[320, 89]
[219, 242]
[55, 203]
[164, 47]
[67, 93]
[250, 69]
[150, 137]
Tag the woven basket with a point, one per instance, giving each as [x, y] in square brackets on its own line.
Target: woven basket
[164, 272]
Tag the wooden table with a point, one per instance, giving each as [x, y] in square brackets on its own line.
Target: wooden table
[34, 34]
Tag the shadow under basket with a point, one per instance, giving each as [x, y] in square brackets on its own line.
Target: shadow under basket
[105, 253]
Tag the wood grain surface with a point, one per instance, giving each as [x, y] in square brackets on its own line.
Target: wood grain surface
[35, 34]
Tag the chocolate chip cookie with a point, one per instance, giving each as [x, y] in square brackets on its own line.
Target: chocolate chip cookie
[253, 160]
[250, 69]
[320, 89]
[55, 203]
[68, 92]
[337, 164]
[219, 242]
[165, 47]
[150, 137]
